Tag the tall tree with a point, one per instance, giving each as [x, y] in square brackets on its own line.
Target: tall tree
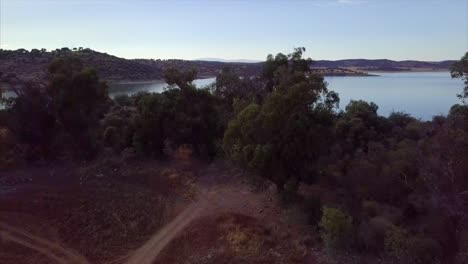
[283, 138]
[79, 99]
[460, 70]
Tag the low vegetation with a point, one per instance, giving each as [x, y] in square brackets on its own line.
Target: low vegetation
[399, 185]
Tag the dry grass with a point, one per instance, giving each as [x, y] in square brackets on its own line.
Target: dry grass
[243, 241]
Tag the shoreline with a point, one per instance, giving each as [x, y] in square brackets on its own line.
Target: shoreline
[123, 82]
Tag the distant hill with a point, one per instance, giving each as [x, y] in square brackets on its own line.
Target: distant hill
[205, 68]
[384, 64]
[33, 64]
[225, 60]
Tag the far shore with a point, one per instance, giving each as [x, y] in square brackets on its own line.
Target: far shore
[413, 70]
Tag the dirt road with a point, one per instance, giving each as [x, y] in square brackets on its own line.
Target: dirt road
[50, 249]
[217, 199]
[151, 249]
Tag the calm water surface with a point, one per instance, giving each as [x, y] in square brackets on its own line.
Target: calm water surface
[152, 87]
[421, 94]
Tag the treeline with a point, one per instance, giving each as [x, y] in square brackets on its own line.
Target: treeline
[32, 64]
[392, 186]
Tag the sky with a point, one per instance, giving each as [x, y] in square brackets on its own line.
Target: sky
[241, 29]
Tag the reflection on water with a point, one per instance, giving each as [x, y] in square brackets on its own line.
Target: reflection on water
[152, 87]
[6, 94]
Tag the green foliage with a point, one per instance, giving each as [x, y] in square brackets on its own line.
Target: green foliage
[285, 68]
[411, 249]
[400, 119]
[283, 138]
[397, 242]
[79, 99]
[33, 122]
[336, 228]
[372, 233]
[118, 128]
[123, 100]
[186, 116]
[183, 80]
[460, 70]
[62, 115]
[231, 87]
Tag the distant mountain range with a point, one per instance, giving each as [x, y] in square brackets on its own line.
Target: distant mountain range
[33, 64]
[228, 61]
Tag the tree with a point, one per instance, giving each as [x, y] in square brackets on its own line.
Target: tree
[32, 121]
[359, 125]
[35, 53]
[460, 70]
[237, 92]
[283, 138]
[283, 68]
[336, 228]
[183, 80]
[185, 116]
[28, 117]
[79, 99]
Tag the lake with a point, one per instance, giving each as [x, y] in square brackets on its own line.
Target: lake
[421, 94]
[152, 87]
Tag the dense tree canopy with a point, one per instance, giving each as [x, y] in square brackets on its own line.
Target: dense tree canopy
[180, 116]
[284, 136]
[79, 100]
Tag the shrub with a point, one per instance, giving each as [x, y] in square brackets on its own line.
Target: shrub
[370, 208]
[6, 148]
[289, 195]
[336, 228]
[397, 242]
[109, 136]
[177, 117]
[425, 250]
[408, 248]
[372, 233]
[313, 209]
[123, 100]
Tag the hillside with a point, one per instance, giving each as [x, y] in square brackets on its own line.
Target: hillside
[33, 64]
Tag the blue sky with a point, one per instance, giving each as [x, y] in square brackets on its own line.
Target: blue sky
[241, 29]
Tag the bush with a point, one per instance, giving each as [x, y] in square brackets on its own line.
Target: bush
[118, 128]
[336, 228]
[370, 208]
[123, 100]
[7, 145]
[177, 117]
[372, 233]
[408, 248]
[313, 209]
[289, 194]
[397, 242]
